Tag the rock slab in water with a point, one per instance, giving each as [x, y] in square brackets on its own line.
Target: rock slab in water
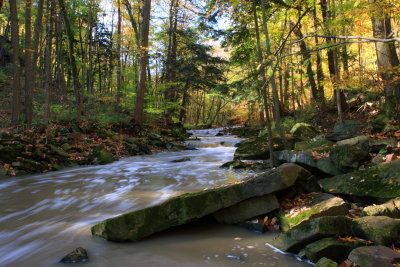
[310, 231]
[374, 256]
[234, 164]
[390, 209]
[182, 209]
[316, 205]
[181, 160]
[247, 209]
[382, 181]
[76, 256]
[381, 230]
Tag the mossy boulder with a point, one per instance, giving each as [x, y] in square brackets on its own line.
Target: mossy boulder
[311, 231]
[247, 209]
[374, 256]
[361, 142]
[381, 230]
[327, 166]
[382, 181]
[234, 164]
[330, 247]
[179, 210]
[320, 145]
[105, 157]
[348, 158]
[304, 131]
[325, 262]
[390, 209]
[256, 148]
[345, 130]
[316, 205]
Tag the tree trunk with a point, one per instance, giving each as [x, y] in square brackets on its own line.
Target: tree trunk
[75, 76]
[139, 107]
[36, 38]
[386, 55]
[277, 107]
[263, 88]
[119, 51]
[16, 88]
[47, 58]
[333, 62]
[320, 72]
[28, 63]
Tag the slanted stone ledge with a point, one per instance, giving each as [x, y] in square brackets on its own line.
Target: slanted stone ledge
[182, 209]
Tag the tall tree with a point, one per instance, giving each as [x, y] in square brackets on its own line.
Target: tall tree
[71, 53]
[144, 51]
[16, 88]
[28, 62]
[386, 53]
[263, 88]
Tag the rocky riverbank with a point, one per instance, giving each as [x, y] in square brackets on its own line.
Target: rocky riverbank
[70, 143]
[335, 198]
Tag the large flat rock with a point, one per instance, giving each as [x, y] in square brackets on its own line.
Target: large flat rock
[382, 181]
[182, 209]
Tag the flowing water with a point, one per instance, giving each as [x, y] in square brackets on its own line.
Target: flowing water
[45, 216]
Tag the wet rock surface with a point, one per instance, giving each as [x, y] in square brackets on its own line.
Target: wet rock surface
[79, 255]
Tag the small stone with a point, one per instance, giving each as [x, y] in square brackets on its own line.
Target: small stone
[78, 255]
[180, 160]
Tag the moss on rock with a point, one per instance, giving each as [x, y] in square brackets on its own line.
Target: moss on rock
[382, 181]
[317, 205]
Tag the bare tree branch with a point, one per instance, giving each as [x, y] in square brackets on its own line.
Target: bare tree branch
[369, 39]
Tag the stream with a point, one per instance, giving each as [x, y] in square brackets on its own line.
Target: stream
[45, 216]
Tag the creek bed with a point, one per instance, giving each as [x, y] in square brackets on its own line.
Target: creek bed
[45, 216]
